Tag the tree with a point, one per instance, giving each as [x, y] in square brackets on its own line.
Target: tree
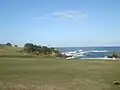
[45, 50]
[16, 46]
[8, 44]
[28, 47]
[37, 49]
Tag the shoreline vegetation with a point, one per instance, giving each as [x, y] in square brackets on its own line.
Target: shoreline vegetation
[28, 51]
[31, 50]
[38, 50]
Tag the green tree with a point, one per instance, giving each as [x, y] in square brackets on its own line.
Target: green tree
[28, 47]
[8, 44]
[16, 45]
[44, 49]
[37, 49]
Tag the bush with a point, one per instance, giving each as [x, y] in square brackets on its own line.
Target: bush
[8, 44]
[37, 49]
[16, 46]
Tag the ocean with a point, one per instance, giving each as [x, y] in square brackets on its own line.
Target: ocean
[92, 52]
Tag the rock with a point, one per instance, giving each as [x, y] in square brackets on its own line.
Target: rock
[116, 83]
[114, 55]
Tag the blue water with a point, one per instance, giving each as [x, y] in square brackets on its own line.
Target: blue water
[92, 54]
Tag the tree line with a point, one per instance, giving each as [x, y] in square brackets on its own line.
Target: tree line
[8, 44]
[31, 48]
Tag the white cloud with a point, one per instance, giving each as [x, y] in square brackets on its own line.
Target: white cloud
[62, 14]
[68, 14]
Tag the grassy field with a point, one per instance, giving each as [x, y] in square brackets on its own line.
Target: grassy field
[56, 74]
[11, 51]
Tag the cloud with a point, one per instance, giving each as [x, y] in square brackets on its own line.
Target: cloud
[71, 14]
[68, 14]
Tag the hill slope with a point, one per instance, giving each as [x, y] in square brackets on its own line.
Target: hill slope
[11, 51]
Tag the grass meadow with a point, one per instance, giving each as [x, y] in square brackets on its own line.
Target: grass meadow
[18, 72]
[56, 74]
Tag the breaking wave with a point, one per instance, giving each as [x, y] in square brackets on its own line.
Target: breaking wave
[97, 51]
[92, 54]
[96, 58]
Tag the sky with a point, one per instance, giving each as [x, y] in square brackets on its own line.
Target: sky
[60, 23]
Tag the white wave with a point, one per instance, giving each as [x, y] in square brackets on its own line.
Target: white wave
[76, 53]
[81, 53]
[97, 51]
[70, 58]
[103, 58]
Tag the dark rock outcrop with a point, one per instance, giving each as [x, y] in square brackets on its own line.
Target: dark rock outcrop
[114, 55]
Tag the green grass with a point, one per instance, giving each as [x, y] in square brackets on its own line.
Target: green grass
[56, 74]
[11, 51]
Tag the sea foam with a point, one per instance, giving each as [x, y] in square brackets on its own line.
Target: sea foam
[82, 54]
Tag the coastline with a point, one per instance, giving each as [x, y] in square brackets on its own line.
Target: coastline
[90, 52]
